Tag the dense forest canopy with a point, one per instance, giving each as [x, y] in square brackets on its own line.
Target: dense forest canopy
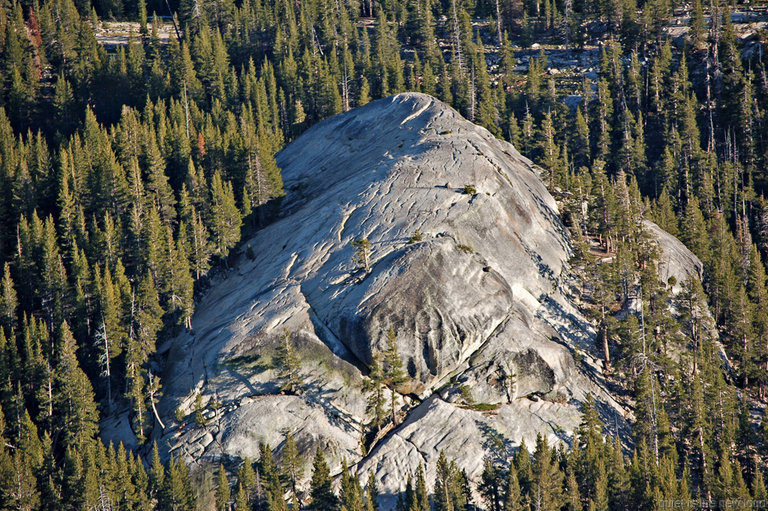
[128, 176]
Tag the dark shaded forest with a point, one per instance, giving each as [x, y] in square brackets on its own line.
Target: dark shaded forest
[128, 177]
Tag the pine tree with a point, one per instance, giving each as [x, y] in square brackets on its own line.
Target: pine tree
[696, 427]
[24, 495]
[618, 479]
[693, 229]
[758, 487]
[145, 322]
[76, 412]
[110, 330]
[374, 386]
[405, 500]
[546, 478]
[241, 499]
[647, 405]
[222, 490]
[176, 492]
[490, 485]
[697, 25]
[200, 248]
[362, 255]
[321, 493]
[176, 280]
[580, 140]
[371, 493]
[758, 295]
[444, 485]
[602, 118]
[8, 300]
[200, 418]
[549, 150]
[292, 466]
[268, 476]
[53, 277]
[246, 478]
[393, 372]
[351, 496]
[156, 474]
[600, 502]
[50, 490]
[225, 217]
[724, 481]
[160, 194]
[513, 498]
[449, 486]
[288, 365]
[421, 498]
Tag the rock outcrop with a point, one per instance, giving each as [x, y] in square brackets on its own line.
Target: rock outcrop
[467, 264]
[676, 260]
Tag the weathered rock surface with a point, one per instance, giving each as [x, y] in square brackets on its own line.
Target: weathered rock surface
[478, 301]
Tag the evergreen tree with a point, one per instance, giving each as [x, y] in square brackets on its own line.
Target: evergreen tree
[176, 492]
[156, 474]
[371, 493]
[292, 466]
[320, 490]
[374, 386]
[8, 300]
[268, 476]
[288, 365]
[394, 376]
[351, 497]
[222, 490]
[225, 217]
[421, 498]
[546, 478]
[76, 412]
[513, 498]
[490, 486]
[241, 499]
[145, 322]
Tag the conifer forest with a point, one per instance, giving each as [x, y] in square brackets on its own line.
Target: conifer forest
[131, 171]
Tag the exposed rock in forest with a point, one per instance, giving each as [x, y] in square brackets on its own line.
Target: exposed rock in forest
[676, 260]
[467, 263]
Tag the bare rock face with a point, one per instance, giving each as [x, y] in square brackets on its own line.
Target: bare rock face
[467, 264]
[676, 260]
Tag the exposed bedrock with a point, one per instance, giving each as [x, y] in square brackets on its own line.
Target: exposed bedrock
[467, 263]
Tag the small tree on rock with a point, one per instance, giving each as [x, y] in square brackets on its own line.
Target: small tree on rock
[394, 374]
[362, 255]
[199, 408]
[288, 365]
[374, 386]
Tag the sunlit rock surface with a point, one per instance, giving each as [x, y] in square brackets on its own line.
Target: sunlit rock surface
[476, 300]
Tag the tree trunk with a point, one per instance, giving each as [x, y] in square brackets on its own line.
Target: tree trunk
[456, 35]
[498, 22]
[394, 403]
[606, 351]
[152, 400]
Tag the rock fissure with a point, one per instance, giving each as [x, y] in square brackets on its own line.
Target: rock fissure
[416, 447]
[557, 431]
